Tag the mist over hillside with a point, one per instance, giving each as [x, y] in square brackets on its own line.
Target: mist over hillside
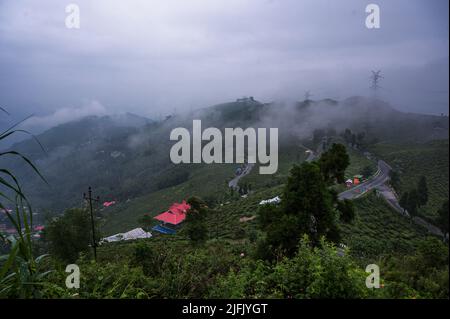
[226, 149]
[123, 156]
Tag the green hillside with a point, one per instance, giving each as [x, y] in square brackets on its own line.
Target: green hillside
[420, 159]
[379, 230]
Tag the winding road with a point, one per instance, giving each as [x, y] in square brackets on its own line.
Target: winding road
[380, 177]
[234, 182]
[378, 182]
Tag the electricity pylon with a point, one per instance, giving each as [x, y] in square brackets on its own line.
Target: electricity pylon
[375, 78]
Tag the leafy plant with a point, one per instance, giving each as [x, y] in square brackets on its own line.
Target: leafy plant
[20, 272]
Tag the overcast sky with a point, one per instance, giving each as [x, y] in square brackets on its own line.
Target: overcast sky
[154, 57]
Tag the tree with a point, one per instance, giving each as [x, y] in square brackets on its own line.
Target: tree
[146, 220]
[353, 139]
[308, 207]
[195, 219]
[333, 164]
[422, 191]
[432, 253]
[367, 171]
[443, 218]
[395, 180]
[312, 272]
[346, 210]
[318, 135]
[413, 202]
[347, 135]
[307, 197]
[404, 200]
[360, 138]
[70, 234]
[409, 201]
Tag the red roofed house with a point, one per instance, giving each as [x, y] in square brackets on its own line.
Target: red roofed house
[175, 215]
[107, 204]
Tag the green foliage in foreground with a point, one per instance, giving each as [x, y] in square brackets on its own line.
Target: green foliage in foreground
[309, 206]
[20, 271]
[422, 275]
[223, 269]
[313, 272]
[70, 234]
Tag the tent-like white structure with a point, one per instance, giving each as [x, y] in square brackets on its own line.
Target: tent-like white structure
[274, 200]
[136, 233]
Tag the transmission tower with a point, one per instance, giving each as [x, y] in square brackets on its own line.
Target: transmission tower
[375, 80]
[307, 95]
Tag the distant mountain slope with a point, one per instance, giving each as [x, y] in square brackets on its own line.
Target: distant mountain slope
[127, 156]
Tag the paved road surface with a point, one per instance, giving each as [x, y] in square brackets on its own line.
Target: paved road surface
[234, 182]
[311, 154]
[379, 182]
[379, 179]
[391, 199]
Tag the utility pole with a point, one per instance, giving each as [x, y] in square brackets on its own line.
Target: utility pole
[90, 199]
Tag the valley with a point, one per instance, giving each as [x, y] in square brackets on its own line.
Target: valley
[129, 167]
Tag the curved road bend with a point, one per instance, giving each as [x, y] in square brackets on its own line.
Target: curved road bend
[379, 179]
[379, 182]
[234, 182]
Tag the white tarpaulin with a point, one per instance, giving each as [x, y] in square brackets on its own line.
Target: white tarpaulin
[136, 233]
[274, 200]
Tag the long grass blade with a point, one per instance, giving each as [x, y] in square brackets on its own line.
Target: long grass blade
[26, 160]
[9, 261]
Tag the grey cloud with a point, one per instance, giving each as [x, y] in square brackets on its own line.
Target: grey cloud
[152, 57]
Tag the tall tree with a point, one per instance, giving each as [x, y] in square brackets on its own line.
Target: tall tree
[346, 210]
[307, 197]
[395, 179]
[70, 234]
[422, 191]
[410, 202]
[347, 135]
[367, 171]
[308, 205]
[195, 219]
[443, 218]
[413, 202]
[333, 164]
[404, 200]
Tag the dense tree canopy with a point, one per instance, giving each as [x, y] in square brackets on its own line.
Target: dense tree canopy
[70, 234]
[195, 220]
[308, 205]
